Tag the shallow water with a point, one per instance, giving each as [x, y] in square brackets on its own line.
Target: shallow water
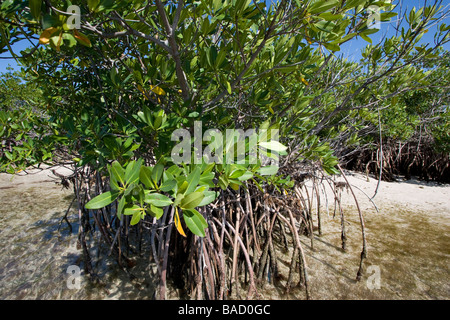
[408, 257]
[37, 251]
[409, 251]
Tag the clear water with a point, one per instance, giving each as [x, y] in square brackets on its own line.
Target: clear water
[36, 256]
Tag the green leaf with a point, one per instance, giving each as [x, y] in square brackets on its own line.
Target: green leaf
[182, 187]
[136, 218]
[157, 199]
[223, 182]
[156, 212]
[195, 222]
[132, 172]
[128, 211]
[178, 199]
[328, 16]
[145, 177]
[93, 4]
[157, 173]
[332, 46]
[207, 179]
[273, 145]
[192, 180]
[120, 207]
[209, 196]
[174, 170]
[366, 38]
[70, 38]
[35, 8]
[268, 170]
[212, 56]
[192, 200]
[321, 6]
[228, 87]
[117, 172]
[354, 3]
[247, 175]
[386, 16]
[102, 200]
[168, 185]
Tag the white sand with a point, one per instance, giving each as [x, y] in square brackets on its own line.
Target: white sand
[410, 194]
[430, 197]
[41, 176]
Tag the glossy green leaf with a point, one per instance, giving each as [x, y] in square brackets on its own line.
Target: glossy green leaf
[273, 145]
[195, 222]
[157, 173]
[155, 211]
[93, 4]
[332, 47]
[120, 207]
[35, 8]
[321, 6]
[131, 210]
[245, 176]
[192, 200]
[137, 215]
[102, 200]
[209, 196]
[168, 185]
[268, 170]
[117, 173]
[157, 199]
[192, 180]
[223, 182]
[145, 176]
[132, 171]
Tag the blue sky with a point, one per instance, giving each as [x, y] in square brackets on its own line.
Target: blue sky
[351, 49]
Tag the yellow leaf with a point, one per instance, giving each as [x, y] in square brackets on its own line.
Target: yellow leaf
[308, 17]
[177, 223]
[234, 186]
[81, 38]
[157, 90]
[142, 90]
[46, 34]
[58, 45]
[304, 81]
[228, 87]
